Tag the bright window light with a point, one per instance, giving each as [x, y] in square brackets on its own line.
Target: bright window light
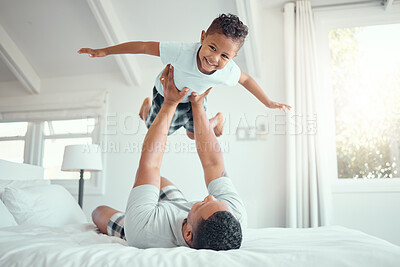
[365, 63]
[12, 150]
[13, 129]
[12, 141]
[69, 126]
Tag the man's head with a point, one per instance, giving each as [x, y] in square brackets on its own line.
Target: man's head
[221, 42]
[210, 225]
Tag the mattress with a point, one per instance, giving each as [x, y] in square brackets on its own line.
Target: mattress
[82, 245]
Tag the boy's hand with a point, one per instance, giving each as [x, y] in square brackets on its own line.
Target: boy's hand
[171, 94]
[197, 99]
[93, 52]
[282, 107]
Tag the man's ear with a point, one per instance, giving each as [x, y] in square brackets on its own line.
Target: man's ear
[188, 234]
[203, 36]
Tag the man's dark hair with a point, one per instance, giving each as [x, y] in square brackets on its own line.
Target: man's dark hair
[229, 25]
[221, 231]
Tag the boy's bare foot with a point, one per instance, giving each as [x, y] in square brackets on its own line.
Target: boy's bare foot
[217, 123]
[144, 109]
[190, 134]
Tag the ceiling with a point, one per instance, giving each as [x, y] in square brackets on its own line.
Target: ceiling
[48, 33]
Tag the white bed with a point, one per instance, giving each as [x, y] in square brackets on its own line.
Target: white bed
[80, 245]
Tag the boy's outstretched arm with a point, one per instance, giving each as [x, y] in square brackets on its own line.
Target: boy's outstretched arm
[148, 48]
[251, 85]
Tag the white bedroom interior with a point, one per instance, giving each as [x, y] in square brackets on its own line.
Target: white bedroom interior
[42, 78]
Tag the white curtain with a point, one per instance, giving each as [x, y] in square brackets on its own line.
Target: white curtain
[308, 194]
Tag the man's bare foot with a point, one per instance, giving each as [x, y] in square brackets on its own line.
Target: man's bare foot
[217, 123]
[144, 109]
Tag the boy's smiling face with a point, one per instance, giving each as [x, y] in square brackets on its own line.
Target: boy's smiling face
[216, 51]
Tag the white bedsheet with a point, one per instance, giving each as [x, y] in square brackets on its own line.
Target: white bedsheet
[80, 245]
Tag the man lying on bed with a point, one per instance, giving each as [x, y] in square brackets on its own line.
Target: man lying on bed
[164, 218]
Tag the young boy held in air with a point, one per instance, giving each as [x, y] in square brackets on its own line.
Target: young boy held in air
[197, 66]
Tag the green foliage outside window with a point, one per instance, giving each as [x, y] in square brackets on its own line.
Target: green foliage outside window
[366, 86]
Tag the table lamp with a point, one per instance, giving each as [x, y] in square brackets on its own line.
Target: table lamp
[82, 158]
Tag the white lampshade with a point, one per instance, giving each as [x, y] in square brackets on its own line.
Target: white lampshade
[82, 157]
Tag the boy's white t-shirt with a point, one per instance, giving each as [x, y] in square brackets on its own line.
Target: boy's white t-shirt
[183, 56]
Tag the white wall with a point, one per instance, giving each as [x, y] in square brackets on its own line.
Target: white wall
[371, 212]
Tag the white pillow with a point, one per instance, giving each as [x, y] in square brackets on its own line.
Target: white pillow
[20, 184]
[48, 205]
[6, 218]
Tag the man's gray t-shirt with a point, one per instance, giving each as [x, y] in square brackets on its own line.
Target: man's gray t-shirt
[150, 224]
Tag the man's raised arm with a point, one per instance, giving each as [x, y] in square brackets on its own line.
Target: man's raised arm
[156, 137]
[207, 145]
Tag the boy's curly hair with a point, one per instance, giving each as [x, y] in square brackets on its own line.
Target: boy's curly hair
[229, 25]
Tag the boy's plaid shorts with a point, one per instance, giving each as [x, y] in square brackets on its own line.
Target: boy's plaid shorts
[183, 115]
[115, 226]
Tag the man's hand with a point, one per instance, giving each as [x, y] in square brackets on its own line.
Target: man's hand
[93, 52]
[282, 107]
[197, 99]
[172, 95]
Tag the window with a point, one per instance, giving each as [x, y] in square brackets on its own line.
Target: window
[12, 141]
[35, 129]
[42, 143]
[57, 135]
[365, 64]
